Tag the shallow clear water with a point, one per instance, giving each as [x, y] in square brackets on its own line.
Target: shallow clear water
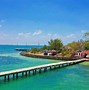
[15, 61]
[75, 77]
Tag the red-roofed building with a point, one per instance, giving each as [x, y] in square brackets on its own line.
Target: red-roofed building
[85, 52]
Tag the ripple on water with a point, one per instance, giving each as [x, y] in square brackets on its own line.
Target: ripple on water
[15, 61]
[75, 77]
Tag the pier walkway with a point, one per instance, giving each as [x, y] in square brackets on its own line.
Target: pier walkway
[22, 49]
[7, 75]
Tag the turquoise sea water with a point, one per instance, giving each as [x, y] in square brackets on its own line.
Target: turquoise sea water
[74, 77]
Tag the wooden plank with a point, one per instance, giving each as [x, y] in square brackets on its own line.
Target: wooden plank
[38, 67]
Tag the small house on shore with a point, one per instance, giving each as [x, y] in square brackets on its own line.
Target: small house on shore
[83, 53]
[50, 52]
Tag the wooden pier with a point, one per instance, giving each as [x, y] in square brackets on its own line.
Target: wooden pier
[7, 75]
[22, 49]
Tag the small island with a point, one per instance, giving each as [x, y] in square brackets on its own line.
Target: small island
[57, 51]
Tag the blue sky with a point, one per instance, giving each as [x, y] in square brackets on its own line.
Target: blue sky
[37, 21]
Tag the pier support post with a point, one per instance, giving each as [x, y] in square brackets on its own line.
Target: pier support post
[29, 73]
[45, 69]
[39, 70]
[5, 78]
[50, 68]
[75, 63]
[13, 76]
[58, 66]
[54, 67]
[16, 75]
[35, 71]
[26, 73]
[8, 77]
[22, 73]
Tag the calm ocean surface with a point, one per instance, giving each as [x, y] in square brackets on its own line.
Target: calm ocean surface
[74, 77]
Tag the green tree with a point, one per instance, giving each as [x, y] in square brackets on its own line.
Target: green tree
[86, 45]
[34, 50]
[76, 46]
[45, 47]
[67, 51]
[86, 35]
[86, 42]
[55, 44]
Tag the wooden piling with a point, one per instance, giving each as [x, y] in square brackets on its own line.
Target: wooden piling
[35, 71]
[13, 75]
[22, 73]
[40, 70]
[5, 78]
[50, 67]
[25, 73]
[8, 77]
[45, 69]
[29, 73]
[16, 75]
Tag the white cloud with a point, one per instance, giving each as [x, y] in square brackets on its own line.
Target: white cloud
[20, 34]
[83, 31]
[49, 34]
[56, 36]
[35, 37]
[38, 37]
[37, 33]
[53, 35]
[24, 34]
[71, 36]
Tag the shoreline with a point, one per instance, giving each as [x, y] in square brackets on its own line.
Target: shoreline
[49, 57]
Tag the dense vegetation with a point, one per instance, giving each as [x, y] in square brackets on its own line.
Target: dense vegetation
[65, 50]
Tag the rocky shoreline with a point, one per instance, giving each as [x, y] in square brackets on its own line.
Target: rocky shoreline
[49, 57]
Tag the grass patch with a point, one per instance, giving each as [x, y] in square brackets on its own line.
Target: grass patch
[85, 63]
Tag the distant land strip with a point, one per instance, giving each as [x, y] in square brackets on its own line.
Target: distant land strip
[49, 57]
